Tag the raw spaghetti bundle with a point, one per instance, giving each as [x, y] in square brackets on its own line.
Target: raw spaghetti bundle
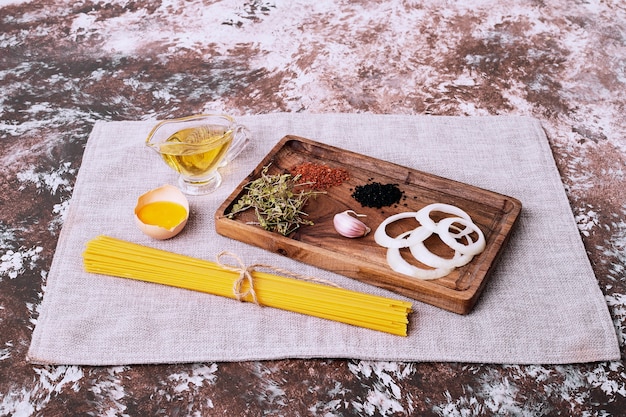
[110, 256]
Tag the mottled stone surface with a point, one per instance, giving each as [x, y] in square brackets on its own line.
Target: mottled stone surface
[64, 65]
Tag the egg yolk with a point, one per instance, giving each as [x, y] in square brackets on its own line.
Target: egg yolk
[162, 213]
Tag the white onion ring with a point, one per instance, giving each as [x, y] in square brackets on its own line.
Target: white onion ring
[472, 248]
[398, 264]
[423, 215]
[448, 232]
[383, 239]
[428, 258]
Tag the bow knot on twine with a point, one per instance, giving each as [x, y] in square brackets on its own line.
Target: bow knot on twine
[245, 276]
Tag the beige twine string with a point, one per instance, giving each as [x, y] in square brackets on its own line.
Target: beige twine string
[245, 275]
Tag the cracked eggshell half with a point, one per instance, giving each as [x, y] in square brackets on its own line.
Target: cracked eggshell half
[162, 213]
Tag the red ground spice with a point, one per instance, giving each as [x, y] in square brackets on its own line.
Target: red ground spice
[320, 176]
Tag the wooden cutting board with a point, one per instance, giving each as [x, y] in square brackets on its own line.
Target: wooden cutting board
[362, 258]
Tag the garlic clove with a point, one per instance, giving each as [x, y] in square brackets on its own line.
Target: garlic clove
[349, 226]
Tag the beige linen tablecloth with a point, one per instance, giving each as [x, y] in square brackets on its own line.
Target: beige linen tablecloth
[542, 304]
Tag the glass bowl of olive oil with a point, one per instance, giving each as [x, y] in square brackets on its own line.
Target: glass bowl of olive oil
[196, 146]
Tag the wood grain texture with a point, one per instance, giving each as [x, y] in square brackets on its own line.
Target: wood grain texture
[363, 259]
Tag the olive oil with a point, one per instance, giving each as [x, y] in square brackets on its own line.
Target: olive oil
[196, 152]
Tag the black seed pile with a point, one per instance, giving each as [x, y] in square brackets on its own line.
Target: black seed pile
[377, 195]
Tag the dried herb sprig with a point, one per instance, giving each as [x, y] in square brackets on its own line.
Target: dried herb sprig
[277, 205]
